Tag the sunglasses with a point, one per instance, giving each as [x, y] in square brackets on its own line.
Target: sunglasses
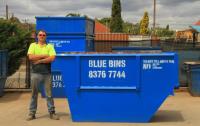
[42, 35]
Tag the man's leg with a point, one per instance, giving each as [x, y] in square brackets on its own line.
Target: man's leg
[48, 92]
[34, 96]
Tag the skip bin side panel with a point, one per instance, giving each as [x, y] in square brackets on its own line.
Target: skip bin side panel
[68, 65]
[157, 81]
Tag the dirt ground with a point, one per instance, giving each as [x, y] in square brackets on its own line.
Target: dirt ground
[179, 110]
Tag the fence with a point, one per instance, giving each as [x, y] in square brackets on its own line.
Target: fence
[21, 78]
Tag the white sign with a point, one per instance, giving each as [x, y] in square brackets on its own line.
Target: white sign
[110, 64]
[57, 81]
[155, 64]
[59, 43]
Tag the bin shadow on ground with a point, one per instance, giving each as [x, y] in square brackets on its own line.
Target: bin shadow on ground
[167, 116]
[9, 97]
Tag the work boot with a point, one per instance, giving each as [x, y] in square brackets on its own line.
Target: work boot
[31, 117]
[53, 116]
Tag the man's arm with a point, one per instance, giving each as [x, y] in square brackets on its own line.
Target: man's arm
[49, 59]
[33, 57]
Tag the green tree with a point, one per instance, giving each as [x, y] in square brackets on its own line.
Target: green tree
[127, 27]
[76, 15]
[144, 24]
[14, 19]
[116, 19]
[13, 38]
[136, 28]
[163, 32]
[73, 15]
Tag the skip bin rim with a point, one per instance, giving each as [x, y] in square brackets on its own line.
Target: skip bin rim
[64, 18]
[115, 54]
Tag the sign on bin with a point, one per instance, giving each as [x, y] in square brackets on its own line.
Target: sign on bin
[59, 43]
[155, 64]
[57, 85]
[106, 72]
[57, 81]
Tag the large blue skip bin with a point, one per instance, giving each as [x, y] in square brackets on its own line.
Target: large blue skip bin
[66, 25]
[117, 87]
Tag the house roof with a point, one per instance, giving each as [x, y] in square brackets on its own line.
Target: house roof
[101, 28]
[196, 27]
[197, 23]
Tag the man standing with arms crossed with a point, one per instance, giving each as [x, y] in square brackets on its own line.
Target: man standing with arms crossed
[41, 55]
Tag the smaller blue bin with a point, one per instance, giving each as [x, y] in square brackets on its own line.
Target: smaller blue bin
[193, 78]
[2, 84]
[3, 69]
[3, 63]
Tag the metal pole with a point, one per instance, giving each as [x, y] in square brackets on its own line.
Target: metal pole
[154, 17]
[6, 12]
[28, 75]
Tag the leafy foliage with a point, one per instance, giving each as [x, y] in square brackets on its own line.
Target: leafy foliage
[73, 15]
[76, 15]
[13, 38]
[164, 32]
[116, 19]
[144, 24]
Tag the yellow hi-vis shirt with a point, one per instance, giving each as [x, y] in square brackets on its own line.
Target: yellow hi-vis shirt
[46, 49]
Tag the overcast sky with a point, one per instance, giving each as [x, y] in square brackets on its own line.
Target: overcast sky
[179, 14]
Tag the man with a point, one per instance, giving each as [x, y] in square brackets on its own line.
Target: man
[41, 55]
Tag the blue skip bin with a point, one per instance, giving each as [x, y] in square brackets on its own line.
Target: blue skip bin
[193, 77]
[66, 25]
[68, 34]
[194, 86]
[3, 69]
[117, 87]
